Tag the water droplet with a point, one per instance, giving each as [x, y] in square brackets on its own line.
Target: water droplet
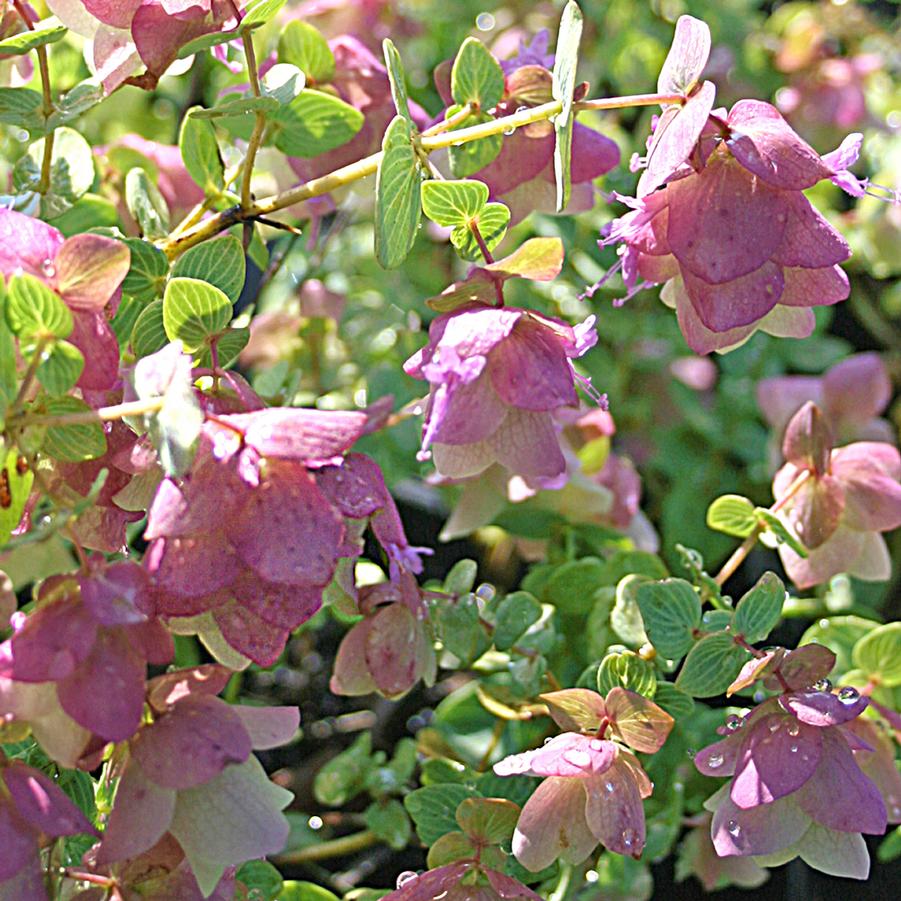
[822, 685]
[315, 822]
[630, 837]
[775, 726]
[548, 739]
[734, 722]
[848, 695]
[48, 268]
[577, 758]
[596, 744]
[484, 21]
[406, 877]
[609, 787]
[733, 828]
[486, 591]
[793, 728]
[715, 761]
[793, 748]
[509, 131]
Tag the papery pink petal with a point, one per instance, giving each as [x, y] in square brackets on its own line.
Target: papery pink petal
[638, 721]
[569, 754]
[351, 675]
[268, 727]
[873, 500]
[250, 635]
[296, 434]
[823, 708]
[158, 36]
[806, 665]
[816, 510]
[877, 762]
[807, 442]
[809, 240]
[471, 414]
[164, 691]
[765, 829]
[288, 503]
[192, 567]
[593, 154]
[106, 692]
[283, 606]
[687, 56]
[435, 883]
[777, 757]
[19, 843]
[765, 144]
[391, 649]
[92, 335]
[552, 825]
[724, 223]
[858, 388]
[530, 369]
[192, 743]
[42, 803]
[117, 13]
[740, 302]
[27, 245]
[614, 811]
[675, 137]
[839, 795]
[699, 338]
[814, 287]
[720, 758]
[89, 269]
[508, 887]
[141, 814]
[875, 454]
[835, 853]
[521, 159]
[788, 322]
[118, 595]
[840, 553]
[53, 641]
[460, 461]
[527, 444]
[152, 641]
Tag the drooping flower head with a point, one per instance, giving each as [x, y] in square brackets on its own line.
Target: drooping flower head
[721, 221]
[838, 501]
[274, 472]
[593, 785]
[497, 376]
[796, 787]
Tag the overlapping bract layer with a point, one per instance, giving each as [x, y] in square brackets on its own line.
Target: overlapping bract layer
[242, 548]
[497, 376]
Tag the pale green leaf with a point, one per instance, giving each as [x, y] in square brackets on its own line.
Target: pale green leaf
[396, 195]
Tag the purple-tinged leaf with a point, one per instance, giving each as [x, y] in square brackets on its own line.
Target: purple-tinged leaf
[89, 270]
[639, 722]
[575, 709]
[42, 803]
[808, 440]
[823, 708]
[268, 727]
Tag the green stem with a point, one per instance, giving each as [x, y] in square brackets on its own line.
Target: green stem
[337, 847]
[259, 126]
[176, 245]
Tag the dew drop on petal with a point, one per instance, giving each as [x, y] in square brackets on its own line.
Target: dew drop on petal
[406, 878]
[48, 268]
[485, 21]
[734, 722]
[630, 837]
[609, 787]
[848, 695]
[715, 761]
[775, 726]
[822, 685]
[596, 744]
[793, 748]
[486, 592]
[577, 758]
[733, 828]
[793, 729]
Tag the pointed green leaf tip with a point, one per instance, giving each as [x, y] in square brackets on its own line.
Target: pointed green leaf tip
[563, 85]
[476, 76]
[397, 79]
[396, 195]
[758, 612]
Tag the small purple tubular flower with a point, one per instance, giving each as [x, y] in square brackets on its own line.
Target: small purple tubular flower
[732, 237]
[497, 376]
[796, 787]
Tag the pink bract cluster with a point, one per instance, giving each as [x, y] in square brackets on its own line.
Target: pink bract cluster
[127, 35]
[277, 472]
[593, 786]
[837, 500]
[796, 786]
[721, 221]
[497, 377]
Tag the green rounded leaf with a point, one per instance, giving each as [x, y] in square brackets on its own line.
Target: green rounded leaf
[146, 203]
[879, 654]
[492, 223]
[303, 46]
[49, 31]
[17, 480]
[396, 195]
[149, 334]
[515, 613]
[758, 612]
[200, 153]
[193, 311]
[711, 666]
[453, 203]
[397, 79]
[63, 363]
[259, 12]
[314, 123]
[732, 514]
[77, 442]
[147, 273]
[476, 76]
[344, 776]
[489, 821]
[469, 157]
[22, 107]
[627, 670]
[461, 577]
[563, 84]
[671, 612]
[242, 106]
[71, 171]
[673, 700]
[434, 809]
[33, 310]
[390, 822]
[219, 262]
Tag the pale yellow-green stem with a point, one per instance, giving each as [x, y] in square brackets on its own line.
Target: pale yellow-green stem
[259, 125]
[176, 245]
[101, 414]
